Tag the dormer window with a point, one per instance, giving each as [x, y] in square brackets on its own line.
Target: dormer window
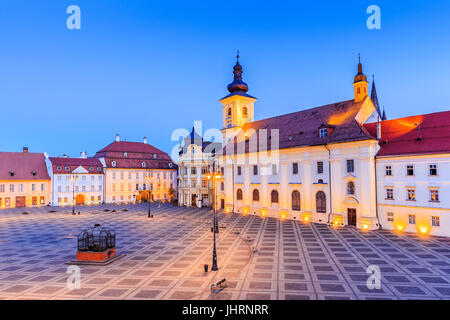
[11, 173]
[113, 163]
[155, 156]
[323, 132]
[59, 168]
[67, 168]
[125, 154]
[143, 164]
[33, 173]
[91, 169]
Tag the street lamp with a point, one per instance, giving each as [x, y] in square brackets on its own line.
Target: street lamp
[214, 175]
[147, 178]
[73, 178]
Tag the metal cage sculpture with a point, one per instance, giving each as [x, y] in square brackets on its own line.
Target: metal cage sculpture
[96, 239]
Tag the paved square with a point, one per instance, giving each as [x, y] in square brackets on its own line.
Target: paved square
[164, 257]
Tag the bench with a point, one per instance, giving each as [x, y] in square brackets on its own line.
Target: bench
[219, 286]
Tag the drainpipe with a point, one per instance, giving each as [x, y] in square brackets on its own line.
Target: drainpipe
[376, 193]
[329, 181]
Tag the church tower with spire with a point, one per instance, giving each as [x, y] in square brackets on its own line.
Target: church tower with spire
[238, 106]
[360, 84]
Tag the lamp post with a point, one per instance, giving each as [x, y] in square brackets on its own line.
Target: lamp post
[214, 175]
[147, 178]
[73, 178]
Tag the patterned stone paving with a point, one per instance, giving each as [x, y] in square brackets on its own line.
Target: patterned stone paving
[165, 256]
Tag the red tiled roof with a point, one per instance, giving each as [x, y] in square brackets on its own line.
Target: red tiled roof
[422, 134]
[75, 161]
[136, 154]
[23, 165]
[302, 128]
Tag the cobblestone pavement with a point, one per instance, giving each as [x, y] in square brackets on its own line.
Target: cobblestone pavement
[165, 257]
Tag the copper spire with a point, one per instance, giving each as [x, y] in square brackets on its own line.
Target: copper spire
[360, 76]
[237, 85]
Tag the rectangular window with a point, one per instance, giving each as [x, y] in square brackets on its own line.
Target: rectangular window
[65, 199]
[193, 171]
[20, 187]
[222, 171]
[295, 168]
[388, 170]
[433, 170]
[350, 166]
[389, 194]
[239, 170]
[410, 170]
[59, 189]
[34, 201]
[319, 167]
[274, 169]
[255, 170]
[434, 195]
[412, 219]
[411, 194]
[42, 200]
[137, 186]
[11, 188]
[435, 221]
[33, 187]
[323, 132]
[390, 216]
[203, 184]
[2, 188]
[83, 188]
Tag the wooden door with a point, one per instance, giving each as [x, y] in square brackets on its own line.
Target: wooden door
[351, 213]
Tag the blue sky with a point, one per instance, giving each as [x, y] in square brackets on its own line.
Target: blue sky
[146, 68]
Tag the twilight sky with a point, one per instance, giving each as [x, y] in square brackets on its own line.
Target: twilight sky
[144, 69]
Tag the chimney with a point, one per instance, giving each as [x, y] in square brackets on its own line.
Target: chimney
[145, 140]
[25, 149]
[64, 155]
[117, 137]
[378, 130]
[83, 155]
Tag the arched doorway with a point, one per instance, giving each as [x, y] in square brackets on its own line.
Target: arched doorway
[144, 196]
[79, 200]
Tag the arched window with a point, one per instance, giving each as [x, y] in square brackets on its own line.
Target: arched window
[321, 202]
[255, 195]
[274, 196]
[239, 194]
[350, 188]
[245, 112]
[358, 90]
[229, 112]
[296, 200]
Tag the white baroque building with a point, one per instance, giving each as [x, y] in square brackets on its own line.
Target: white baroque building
[317, 164]
[195, 160]
[75, 180]
[413, 174]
